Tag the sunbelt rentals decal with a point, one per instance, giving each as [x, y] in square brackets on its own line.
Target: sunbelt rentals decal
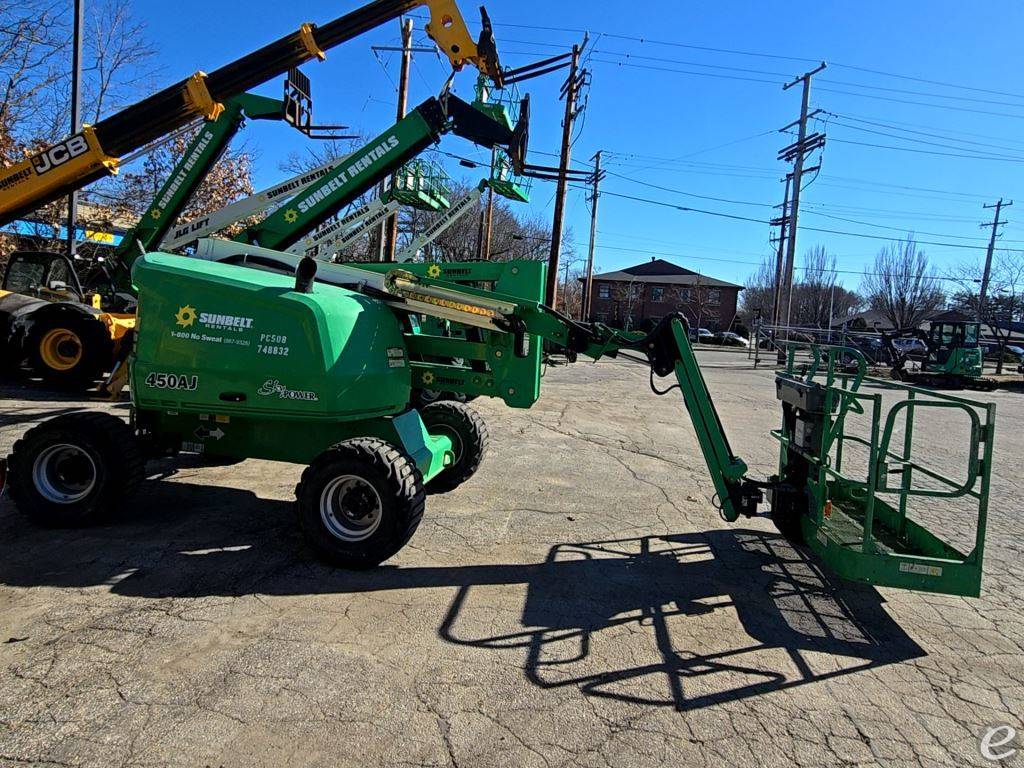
[342, 176]
[192, 324]
[187, 316]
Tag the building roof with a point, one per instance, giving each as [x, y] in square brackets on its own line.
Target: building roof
[664, 272]
[875, 318]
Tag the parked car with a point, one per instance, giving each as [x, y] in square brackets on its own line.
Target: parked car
[911, 347]
[701, 335]
[872, 348]
[729, 339]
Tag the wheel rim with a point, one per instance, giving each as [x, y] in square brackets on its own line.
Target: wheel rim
[64, 474]
[60, 349]
[429, 395]
[351, 508]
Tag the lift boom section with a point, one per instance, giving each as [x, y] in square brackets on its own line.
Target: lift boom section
[376, 160]
[94, 151]
[443, 223]
[189, 231]
[202, 154]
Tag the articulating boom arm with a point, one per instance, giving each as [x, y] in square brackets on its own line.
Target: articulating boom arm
[377, 160]
[335, 235]
[443, 223]
[93, 152]
[667, 349]
[189, 231]
[187, 176]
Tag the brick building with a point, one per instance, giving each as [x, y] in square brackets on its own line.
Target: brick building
[649, 291]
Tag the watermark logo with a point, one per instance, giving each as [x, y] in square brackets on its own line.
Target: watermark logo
[998, 743]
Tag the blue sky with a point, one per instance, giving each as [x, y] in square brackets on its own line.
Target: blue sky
[687, 97]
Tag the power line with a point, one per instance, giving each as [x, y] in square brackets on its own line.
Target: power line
[784, 75]
[863, 273]
[930, 151]
[921, 133]
[811, 205]
[755, 54]
[925, 80]
[735, 217]
[923, 103]
[974, 134]
[688, 194]
[886, 134]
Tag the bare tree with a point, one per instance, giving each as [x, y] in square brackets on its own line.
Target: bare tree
[818, 297]
[627, 296]
[35, 39]
[758, 295]
[1005, 299]
[229, 180]
[700, 301]
[902, 285]
[121, 57]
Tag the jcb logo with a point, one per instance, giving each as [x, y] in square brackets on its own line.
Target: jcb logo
[59, 154]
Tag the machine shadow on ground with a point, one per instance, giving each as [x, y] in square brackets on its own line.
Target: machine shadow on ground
[727, 614]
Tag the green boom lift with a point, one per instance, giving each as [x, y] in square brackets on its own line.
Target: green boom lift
[418, 184]
[315, 366]
[279, 357]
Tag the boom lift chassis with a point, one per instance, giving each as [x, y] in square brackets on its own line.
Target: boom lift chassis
[859, 522]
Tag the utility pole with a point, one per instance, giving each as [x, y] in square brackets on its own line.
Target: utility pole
[480, 234]
[389, 228]
[996, 223]
[570, 90]
[76, 112]
[490, 210]
[780, 255]
[795, 153]
[594, 195]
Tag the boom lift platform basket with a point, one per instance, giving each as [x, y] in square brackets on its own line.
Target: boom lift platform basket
[421, 184]
[504, 105]
[859, 522]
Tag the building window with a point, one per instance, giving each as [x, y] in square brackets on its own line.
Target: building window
[657, 293]
[604, 291]
[714, 296]
[636, 290]
[684, 294]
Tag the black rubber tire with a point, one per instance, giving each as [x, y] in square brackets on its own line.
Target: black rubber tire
[116, 455]
[94, 340]
[397, 482]
[469, 436]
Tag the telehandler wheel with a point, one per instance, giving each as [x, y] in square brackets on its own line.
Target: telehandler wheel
[470, 438]
[69, 351]
[75, 470]
[359, 502]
